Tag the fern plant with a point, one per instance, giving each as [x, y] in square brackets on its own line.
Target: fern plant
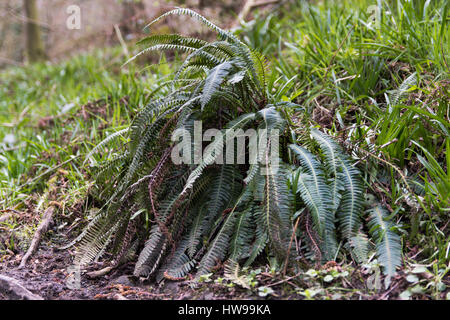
[187, 218]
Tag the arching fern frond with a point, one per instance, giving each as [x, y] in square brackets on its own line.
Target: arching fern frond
[178, 264]
[243, 235]
[352, 202]
[219, 247]
[317, 195]
[150, 256]
[359, 247]
[277, 209]
[333, 156]
[183, 11]
[214, 80]
[347, 189]
[177, 39]
[104, 142]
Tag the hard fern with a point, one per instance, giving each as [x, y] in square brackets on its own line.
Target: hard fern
[198, 214]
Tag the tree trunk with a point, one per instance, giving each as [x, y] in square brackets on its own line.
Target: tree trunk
[34, 44]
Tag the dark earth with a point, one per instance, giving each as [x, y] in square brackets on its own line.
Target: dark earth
[46, 274]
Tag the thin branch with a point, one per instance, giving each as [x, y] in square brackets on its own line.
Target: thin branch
[43, 227]
[14, 290]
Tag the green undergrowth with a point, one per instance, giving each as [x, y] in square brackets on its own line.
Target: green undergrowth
[381, 87]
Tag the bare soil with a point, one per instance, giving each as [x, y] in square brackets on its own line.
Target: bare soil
[46, 275]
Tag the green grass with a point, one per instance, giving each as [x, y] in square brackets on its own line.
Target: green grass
[46, 123]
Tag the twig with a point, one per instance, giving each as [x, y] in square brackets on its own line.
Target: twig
[290, 244]
[15, 291]
[335, 53]
[389, 291]
[284, 280]
[248, 6]
[5, 217]
[26, 19]
[122, 42]
[245, 10]
[379, 148]
[43, 227]
[99, 273]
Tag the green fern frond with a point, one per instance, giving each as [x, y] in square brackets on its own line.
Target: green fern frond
[219, 247]
[232, 273]
[352, 202]
[151, 255]
[387, 241]
[359, 247]
[98, 234]
[242, 236]
[258, 246]
[183, 11]
[333, 156]
[177, 39]
[161, 47]
[147, 116]
[110, 167]
[216, 147]
[277, 209]
[179, 264]
[107, 140]
[260, 64]
[210, 55]
[213, 81]
[346, 186]
[220, 191]
[196, 231]
[317, 195]
[403, 88]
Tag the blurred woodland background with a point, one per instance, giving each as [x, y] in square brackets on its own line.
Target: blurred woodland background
[37, 29]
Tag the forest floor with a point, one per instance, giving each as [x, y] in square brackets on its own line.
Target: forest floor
[48, 272]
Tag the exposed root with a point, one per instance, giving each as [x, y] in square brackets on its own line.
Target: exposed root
[99, 273]
[15, 291]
